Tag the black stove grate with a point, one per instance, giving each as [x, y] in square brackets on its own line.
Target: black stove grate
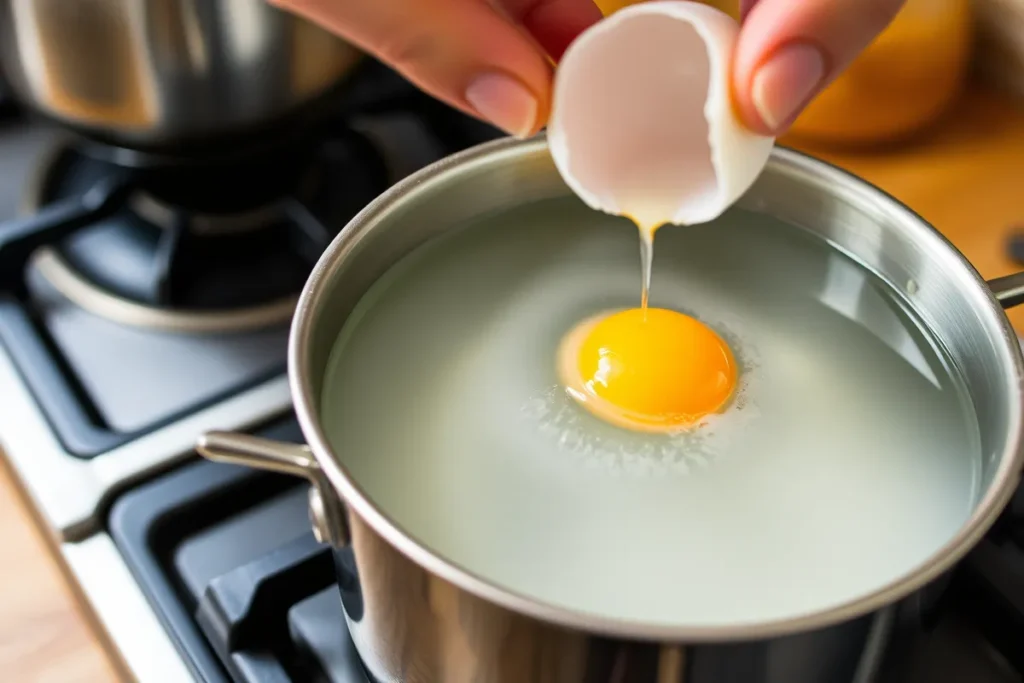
[207, 236]
[226, 557]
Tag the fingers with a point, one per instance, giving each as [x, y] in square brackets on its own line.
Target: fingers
[475, 55]
[466, 52]
[554, 23]
[788, 51]
[461, 51]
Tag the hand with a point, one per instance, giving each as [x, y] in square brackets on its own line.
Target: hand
[789, 50]
[492, 58]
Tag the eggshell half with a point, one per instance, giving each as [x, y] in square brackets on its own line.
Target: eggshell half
[642, 117]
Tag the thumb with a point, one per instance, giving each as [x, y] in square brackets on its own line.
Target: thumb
[788, 51]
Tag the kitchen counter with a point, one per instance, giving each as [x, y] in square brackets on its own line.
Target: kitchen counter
[43, 638]
[966, 177]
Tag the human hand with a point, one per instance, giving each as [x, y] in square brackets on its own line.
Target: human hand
[490, 58]
[789, 50]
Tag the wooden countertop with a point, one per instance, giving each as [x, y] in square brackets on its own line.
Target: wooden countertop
[966, 177]
[43, 638]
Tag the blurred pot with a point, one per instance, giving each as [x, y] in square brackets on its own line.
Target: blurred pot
[164, 72]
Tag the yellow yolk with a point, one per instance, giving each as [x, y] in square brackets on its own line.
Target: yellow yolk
[658, 370]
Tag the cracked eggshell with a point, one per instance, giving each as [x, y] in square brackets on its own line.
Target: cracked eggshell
[642, 119]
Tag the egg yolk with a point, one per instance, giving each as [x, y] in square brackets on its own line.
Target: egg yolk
[655, 370]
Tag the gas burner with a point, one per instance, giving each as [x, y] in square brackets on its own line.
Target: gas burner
[180, 272]
[223, 247]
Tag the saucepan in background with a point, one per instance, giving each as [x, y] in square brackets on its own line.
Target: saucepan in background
[167, 73]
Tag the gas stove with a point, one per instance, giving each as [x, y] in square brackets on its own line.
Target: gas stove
[146, 300]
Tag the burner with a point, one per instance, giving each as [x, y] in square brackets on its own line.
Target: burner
[204, 248]
[180, 271]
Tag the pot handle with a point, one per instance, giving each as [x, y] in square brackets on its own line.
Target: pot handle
[326, 512]
[1008, 290]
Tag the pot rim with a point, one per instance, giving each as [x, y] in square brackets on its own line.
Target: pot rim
[984, 515]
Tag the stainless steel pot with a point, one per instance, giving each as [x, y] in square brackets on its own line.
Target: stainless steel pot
[417, 618]
[159, 72]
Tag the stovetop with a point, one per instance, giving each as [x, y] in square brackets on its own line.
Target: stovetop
[168, 312]
[115, 359]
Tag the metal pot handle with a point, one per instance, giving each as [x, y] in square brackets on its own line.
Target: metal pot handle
[326, 511]
[1008, 290]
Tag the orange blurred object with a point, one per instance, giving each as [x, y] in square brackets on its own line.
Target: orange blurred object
[730, 7]
[905, 79]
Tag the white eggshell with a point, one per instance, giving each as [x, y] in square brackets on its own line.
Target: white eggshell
[642, 118]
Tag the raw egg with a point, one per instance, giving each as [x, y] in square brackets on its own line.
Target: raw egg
[653, 370]
[642, 122]
[643, 126]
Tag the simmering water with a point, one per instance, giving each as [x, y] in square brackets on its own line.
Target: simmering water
[849, 456]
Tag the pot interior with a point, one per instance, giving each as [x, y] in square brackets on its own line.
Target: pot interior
[943, 291]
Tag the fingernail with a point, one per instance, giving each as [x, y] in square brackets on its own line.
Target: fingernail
[505, 102]
[784, 84]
